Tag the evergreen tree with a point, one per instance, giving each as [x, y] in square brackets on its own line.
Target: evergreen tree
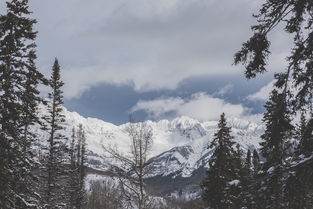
[256, 163]
[18, 106]
[236, 188]
[248, 160]
[275, 148]
[305, 138]
[222, 172]
[72, 174]
[81, 161]
[244, 186]
[247, 193]
[297, 20]
[56, 151]
[77, 172]
[299, 186]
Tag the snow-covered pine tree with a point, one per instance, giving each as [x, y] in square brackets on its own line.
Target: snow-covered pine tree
[18, 106]
[54, 169]
[255, 163]
[297, 20]
[248, 160]
[245, 185]
[305, 137]
[275, 148]
[77, 172]
[222, 172]
[81, 163]
[72, 172]
[235, 190]
[299, 186]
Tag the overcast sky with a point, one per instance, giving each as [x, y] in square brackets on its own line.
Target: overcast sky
[159, 59]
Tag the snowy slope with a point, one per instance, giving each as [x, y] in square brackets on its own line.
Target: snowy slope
[180, 145]
[184, 160]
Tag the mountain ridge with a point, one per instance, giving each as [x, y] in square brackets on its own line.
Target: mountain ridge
[180, 148]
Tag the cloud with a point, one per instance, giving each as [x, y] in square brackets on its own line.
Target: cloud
[263, 94]
[200, 106]
[150, 45]
[224, 90]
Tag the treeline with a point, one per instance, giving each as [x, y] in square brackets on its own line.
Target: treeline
[35, 172]
[284, 177]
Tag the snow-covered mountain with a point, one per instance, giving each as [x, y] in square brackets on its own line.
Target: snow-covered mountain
[179, 149]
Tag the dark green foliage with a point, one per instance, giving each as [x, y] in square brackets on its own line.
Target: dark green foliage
[254, 54]
[277, 177]
[305, 137]
[56, 152]
[243, 192]
[248, 159]
[256, 162]
[77, 172]
[217, 191]
[18, 106]
[247, 193]
[297, 19]
[299, 183]
[275, 148]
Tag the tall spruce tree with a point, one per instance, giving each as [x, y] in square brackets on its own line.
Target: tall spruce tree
[304, 135]
[275, 148]
[297, 19]
[81, 163]
[54, 171]
[222, 172]
[245, 186]
[256, 163]
[72, 173]
[77, 173]
[18, 106]
[299, 184]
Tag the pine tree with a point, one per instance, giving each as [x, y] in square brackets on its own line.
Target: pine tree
[248, 159]
[81, 161]
[72, 180]
[305, 137]
[297, 20]
[247, 195]
[77, 171]
[236, 190]
[275, 148]
[56, 151]
[256, 163]
[299, 186]
[222, 172]
[18, 106]
[242, 192]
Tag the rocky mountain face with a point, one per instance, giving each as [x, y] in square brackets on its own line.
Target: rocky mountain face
[179, 154]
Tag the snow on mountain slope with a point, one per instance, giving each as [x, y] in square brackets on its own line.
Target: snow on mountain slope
[180, 145]
[184, 160]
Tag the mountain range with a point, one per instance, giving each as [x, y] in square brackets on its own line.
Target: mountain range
[179, 156]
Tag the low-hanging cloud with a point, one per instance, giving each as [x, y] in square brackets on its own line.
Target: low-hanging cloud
[224, 90]
[200, 106]
[263, 94]
[150, 45]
